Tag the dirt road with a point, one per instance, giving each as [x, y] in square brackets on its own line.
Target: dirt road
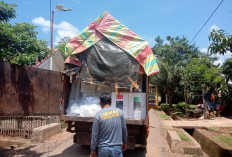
[68, 149]
[155, 148]
[62, 145]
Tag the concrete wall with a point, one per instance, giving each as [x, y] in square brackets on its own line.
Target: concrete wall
[29, 91]
[42, 133]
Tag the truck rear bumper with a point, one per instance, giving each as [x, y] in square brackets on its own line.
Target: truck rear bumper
[90, 119]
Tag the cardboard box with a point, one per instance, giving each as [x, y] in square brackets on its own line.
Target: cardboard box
[120, 100]
[138, 114]
[137, 106]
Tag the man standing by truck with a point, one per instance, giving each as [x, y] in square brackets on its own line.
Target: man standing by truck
[109, 131]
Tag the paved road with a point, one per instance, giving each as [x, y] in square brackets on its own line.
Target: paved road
[155, 147]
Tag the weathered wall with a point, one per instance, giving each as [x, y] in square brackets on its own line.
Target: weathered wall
[29, 90]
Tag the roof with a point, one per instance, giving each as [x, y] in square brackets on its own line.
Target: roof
[53, 62]
[106, 26]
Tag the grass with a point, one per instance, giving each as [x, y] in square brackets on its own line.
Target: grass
[63, 125]
[226, 139]
[183, 136]
[230, 130]
[212, 128]
[162, 115]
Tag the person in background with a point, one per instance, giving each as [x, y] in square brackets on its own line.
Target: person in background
[209, 98]
[221, 106]
[109, 132]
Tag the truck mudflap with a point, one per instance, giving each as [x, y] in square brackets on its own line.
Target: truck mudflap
[82, 138]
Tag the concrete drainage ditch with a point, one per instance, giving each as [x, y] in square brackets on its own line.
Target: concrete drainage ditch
[203, 141]
[181, 142]
[210, 141]
[195, 142]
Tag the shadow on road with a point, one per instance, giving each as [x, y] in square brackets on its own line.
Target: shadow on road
[74, 151]
[25, 152]
[84, 151]
[134, 153]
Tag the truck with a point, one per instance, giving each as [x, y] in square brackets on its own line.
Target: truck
[100, 60]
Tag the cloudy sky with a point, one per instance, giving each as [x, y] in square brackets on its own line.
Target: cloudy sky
[149, 19]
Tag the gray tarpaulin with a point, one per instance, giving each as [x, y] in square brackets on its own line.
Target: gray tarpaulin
[106, 63]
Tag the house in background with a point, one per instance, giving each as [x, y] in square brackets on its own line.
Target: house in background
[54, 62]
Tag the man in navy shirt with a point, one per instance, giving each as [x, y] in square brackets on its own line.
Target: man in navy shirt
[109, 131]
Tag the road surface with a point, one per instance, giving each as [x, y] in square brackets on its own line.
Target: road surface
[61, 145]
[156, 146]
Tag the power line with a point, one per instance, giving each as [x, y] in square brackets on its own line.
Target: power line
[206, 22]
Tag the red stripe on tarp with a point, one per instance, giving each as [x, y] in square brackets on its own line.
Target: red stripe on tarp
[125, 39]
[141, 69]
[106, 21]
[74, 42]
[79, 49]
[119, 96]
[142, 56]
[131, 33]
[92, 26]
[73, 61]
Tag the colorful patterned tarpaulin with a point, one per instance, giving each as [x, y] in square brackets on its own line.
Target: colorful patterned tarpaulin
[107, 26]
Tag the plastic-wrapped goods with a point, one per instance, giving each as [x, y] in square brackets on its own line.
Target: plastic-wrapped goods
[86, 107]
[81, 104]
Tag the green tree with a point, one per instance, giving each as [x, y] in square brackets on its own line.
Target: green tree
[172, 59]
[7, 11]
[221, 42]
[227, 69]
[61, 45]
[199, 75]
[18, 43]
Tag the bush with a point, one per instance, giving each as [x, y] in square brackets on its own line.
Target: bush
[182, 104]
[164, 106]
[192, 106]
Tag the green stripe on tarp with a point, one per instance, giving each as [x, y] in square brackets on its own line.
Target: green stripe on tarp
[84, 35]
[151, 63]
[137, 99]
[116, 31]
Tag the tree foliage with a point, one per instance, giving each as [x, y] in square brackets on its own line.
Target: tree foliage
[227, 69]
[18, 43]
[7, 11]
[172, 57]
[199, 74]
[61, 45]
[221, 42]
[184, 69]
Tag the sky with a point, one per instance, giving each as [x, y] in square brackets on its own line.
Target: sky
[147, 18]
